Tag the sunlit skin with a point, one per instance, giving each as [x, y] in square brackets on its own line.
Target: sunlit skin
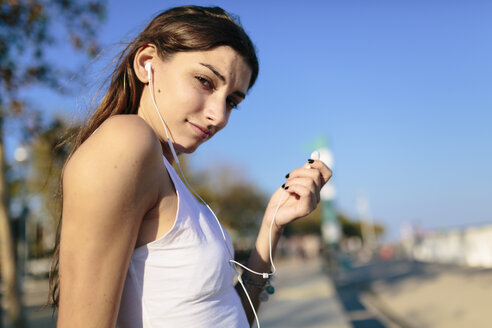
[117, 194]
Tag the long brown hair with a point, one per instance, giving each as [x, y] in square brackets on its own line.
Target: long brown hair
[187, 28]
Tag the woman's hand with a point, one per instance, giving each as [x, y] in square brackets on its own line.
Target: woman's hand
[300, 194]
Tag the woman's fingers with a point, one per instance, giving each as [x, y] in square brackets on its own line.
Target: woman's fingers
[306, 200]
[304, 172]
[314, 167]
[324, 170]
[306, 182]
[303, 185]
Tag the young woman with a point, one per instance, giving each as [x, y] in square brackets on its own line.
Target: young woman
[136, 248]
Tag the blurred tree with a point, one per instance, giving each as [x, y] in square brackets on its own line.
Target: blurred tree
[48, 158]
[26, 34]
[238, 204]
[43, 183]
[308, 225]
[311, 224]
[352, 228]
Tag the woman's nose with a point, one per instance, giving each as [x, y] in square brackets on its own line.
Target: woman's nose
[216, 112]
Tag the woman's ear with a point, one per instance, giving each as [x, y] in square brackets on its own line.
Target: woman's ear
[145, 54]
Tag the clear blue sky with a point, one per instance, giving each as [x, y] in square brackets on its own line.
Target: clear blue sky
[401, 88]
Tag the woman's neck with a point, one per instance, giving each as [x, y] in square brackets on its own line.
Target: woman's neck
[166, 151]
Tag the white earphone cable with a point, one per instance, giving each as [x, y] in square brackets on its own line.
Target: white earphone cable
[232, 261]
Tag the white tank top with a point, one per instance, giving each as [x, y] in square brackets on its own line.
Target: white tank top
[184, 278]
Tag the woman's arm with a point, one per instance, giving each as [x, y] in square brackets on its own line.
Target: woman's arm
[108, 186]
[299, 198]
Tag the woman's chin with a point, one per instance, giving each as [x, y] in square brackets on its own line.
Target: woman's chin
[186, 149]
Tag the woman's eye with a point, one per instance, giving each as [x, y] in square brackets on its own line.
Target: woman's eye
[205, 82]
[231, 103]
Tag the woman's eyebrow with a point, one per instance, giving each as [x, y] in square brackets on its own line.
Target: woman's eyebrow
[240, 94]
[222, 78]
[214, 70]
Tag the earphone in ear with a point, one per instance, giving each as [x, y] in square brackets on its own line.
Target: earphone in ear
[148, 68]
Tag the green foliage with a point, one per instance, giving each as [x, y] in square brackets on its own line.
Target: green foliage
[48, 158]
[238, 204]
[28, 31]
[308, 225]
[241, 208]
[311, 224]
[352, 227]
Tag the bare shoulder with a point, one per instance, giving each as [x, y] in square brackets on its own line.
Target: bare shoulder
[124, 137]
[127, 131]
[123, 153]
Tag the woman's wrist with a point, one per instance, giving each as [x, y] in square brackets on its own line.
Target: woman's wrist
[270, 216]
[267, 223]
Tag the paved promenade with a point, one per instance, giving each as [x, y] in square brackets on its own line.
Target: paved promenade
[407, 294]
[434, 295]
[304, 298]
[35, 292]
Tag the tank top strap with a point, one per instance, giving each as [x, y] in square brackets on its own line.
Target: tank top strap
[176, 179]
[188, 197]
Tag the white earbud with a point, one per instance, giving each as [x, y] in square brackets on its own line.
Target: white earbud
[148, 68]
[315, 155]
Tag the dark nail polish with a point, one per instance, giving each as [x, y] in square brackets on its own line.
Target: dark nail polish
[287, 176]
[283, 186]
[310, 161]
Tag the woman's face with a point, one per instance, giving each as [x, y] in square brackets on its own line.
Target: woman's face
[195, 93]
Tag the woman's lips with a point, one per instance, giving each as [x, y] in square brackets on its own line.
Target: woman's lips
[200, 131]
